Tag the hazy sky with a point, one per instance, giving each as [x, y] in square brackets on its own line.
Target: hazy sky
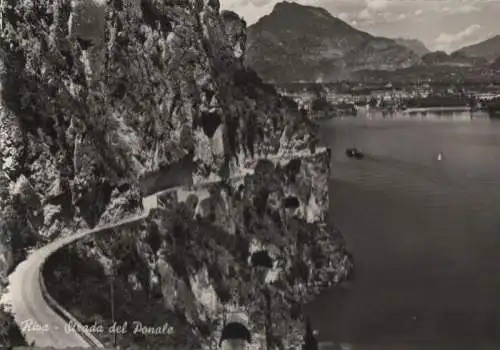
[441, 24]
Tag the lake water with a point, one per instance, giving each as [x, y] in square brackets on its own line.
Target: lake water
[425, 234]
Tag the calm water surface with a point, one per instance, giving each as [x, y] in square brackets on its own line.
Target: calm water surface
[425, 234]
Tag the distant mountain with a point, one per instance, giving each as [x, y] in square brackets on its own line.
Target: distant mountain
[435, 58]
[436, 74]
[457, 59]
[496, 64]
[489, 49]
[413, 44]
[437, 66]
[305, 43]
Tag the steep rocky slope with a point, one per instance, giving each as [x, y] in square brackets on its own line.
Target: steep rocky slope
[307, 43]
[200, 252]
[488, 49]
[96, 96]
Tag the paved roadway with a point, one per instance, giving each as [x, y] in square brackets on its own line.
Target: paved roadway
[25, 298]
[40, 324]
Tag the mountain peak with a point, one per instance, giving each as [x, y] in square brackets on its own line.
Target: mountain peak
[297, 42]
[293, 6]
[288, 4]
[291, 16]
[283, 4]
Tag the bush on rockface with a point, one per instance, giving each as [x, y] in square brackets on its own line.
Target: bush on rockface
[77, 279]
[133, 297]
[14, 239]
[16, 233]
[189, 245]
[10, 334]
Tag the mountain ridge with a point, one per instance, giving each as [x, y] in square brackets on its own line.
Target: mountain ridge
[308, 43]
[489, 49]
[415, 45]
[457, 59]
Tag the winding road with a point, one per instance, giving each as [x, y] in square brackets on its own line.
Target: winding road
[43, 322]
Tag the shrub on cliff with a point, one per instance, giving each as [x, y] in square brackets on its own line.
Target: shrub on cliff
[16, 223]
[10, 334]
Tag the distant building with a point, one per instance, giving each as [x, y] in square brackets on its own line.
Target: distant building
[487, 96]
[382, 94]
[342, 97]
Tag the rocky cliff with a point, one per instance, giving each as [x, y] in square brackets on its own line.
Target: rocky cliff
[240, 244]
[305, 43]
[98, 96]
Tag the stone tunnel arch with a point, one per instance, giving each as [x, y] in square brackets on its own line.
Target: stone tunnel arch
[291, 202]
[236, 334]
[262, 258]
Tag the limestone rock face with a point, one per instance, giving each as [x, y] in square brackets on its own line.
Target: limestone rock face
[95, 94]
[236, 32]
[98, 95]
[210, 234]
[259, 246]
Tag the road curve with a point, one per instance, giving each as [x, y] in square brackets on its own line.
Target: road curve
[26, 299]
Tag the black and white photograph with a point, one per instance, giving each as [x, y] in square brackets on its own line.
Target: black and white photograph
[250, 174]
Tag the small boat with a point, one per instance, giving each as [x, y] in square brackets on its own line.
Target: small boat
[354, 153]
[439, 156]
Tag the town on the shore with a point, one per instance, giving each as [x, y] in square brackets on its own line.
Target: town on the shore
[327, 100]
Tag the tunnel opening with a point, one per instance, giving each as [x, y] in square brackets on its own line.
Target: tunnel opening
[260, 201]
[210, 121]
[235, 331]
[178, 173]
[293, 167]
[84, 44]
[262, 258]
[120, 90]
[291, 202]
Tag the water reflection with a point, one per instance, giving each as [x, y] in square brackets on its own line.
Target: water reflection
[456, 115]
